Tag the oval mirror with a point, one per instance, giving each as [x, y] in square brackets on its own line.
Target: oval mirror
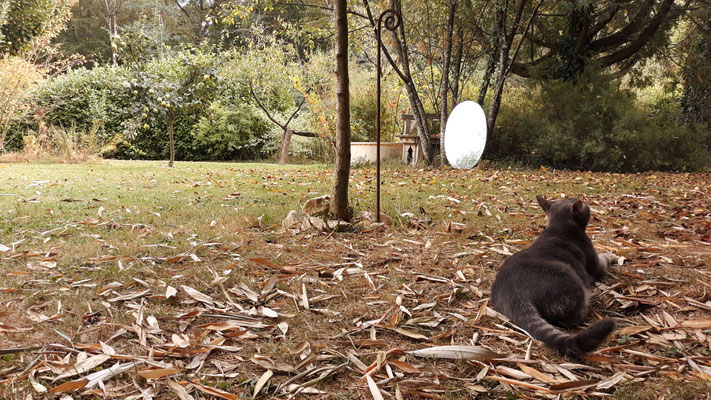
[465, 135]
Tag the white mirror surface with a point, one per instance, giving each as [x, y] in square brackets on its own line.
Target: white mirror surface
[465, 135]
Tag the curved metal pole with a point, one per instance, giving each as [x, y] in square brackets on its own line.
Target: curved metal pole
[392, 21]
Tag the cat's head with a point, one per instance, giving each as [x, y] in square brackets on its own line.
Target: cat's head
[570, 209]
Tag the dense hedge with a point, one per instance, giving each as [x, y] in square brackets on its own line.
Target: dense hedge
[594, 124]
[118, 105]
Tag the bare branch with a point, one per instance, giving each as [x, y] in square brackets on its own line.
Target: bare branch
[263, 107]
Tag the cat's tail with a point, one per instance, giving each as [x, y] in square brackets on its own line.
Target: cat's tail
[575, 344]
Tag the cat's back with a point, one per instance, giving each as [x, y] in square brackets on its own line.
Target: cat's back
[524, 272]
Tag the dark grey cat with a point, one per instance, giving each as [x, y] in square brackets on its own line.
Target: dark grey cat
[546, 285]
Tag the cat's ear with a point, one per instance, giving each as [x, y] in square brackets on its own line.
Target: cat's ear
[545, 204]
[578, 207]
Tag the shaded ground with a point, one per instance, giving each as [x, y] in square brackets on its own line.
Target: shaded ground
[131, 280]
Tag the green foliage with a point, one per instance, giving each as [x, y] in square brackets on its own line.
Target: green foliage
[696, 100]
[232, 132]
[170, 88]
[364, 105]
[129, 109]
[23, 21]
[88, 35]
[593, 124]
[88, 100]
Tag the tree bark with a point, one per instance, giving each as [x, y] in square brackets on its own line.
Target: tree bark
[285, 141]
[493, 52]
[503, 69]
[457, 66]
[171, 140]
[339, 204]
[444, 83]
[112, 8]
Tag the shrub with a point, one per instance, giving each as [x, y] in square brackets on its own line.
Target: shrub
[128, 110]
[87, 100]
[55, 144]
[232, 132]
[17, 76]
[593, 124]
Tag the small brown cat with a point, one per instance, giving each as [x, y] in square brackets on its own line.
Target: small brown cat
[545, 286]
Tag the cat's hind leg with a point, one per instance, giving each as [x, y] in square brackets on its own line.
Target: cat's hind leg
[563, 301]
[603, 261]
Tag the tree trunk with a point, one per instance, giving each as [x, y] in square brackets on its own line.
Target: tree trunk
[418, 110]
[114, 33]
[171, 140]
[339, 204]
[444, 84]
[503, 69]
[112, 7]
[285, 141]
[493, 53]
[457, 66]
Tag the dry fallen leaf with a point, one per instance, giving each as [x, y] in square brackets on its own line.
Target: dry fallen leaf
[69, 386]
[157, 373]
[198, 296]
[457, 352]
[374, 391]
[214, 392]
[697, 324]
[261, 382]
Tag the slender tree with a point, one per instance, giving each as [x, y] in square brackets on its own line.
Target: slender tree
[404, 73]
[287, 132]
[444, 81]
[505, 58]
[111, 8]
[339, 205]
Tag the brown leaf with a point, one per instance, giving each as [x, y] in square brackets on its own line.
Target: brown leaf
[261, 382]
[157, 373]
[201, 297]
[215, 392]
[518, 383]
[68, 386]
[407, 368]
[374, 391]
[633, 330]
[573, 385]
[697, 324]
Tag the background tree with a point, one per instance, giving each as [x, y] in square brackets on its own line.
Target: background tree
[404, 72]
[505, 32]
[168, 87]
[562, 39]
[444, 81]
[111, 8]
[273, 75]
[17, 77]
[26, 27]
[696, 69]
[432, 55]
[24, 21]
[572, 34]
